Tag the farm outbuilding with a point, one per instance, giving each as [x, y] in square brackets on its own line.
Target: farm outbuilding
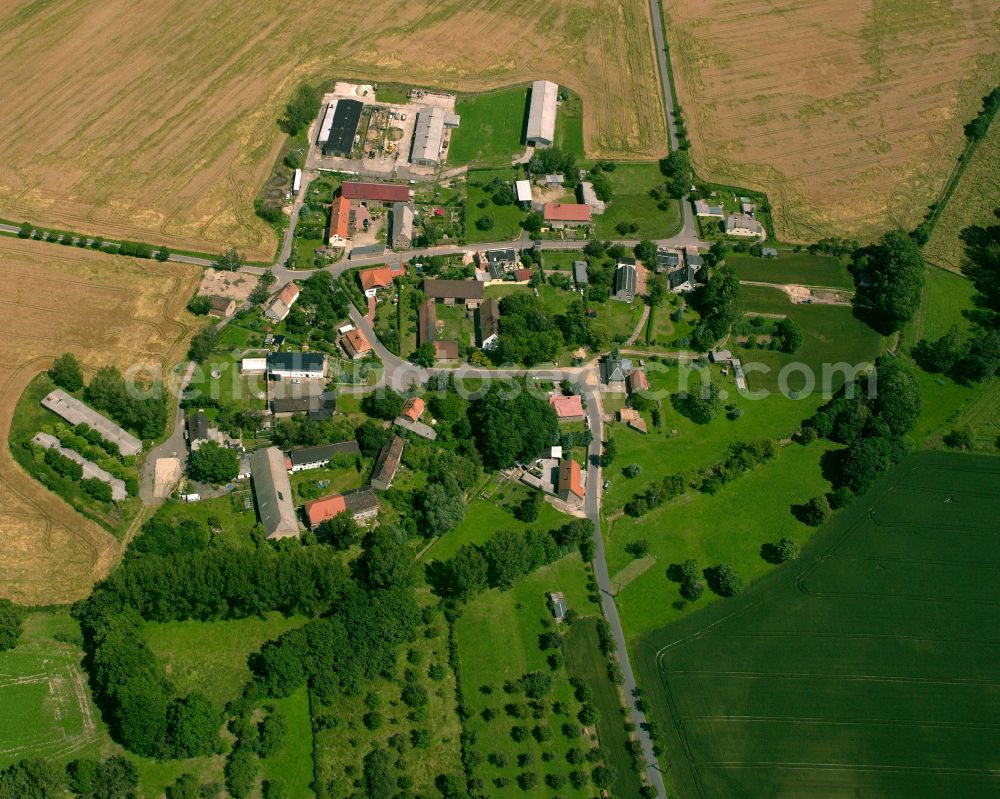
[542, 113]
[273, 491]
[343, 128]
[76, 412]
[428, 135]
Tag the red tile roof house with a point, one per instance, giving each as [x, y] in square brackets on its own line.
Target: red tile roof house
[637, 381]
[560, 215]
[568, 409]
[379, 278]
[340, 221]
[385, 193]
[283, 303]
[413, 409]
[354, 344]
[361, 504]
[570, 480]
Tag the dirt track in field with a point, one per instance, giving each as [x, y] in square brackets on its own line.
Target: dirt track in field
[155, 119]
[848, 113]
[105, 310]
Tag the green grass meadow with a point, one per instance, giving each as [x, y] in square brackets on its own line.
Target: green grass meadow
[866, 668]
[801, 268]
[211, 656]
[492, 127]
[506, 218]
[631, 202]
[292, 764]
[831, 335]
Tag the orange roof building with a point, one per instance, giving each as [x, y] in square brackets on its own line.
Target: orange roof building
[570, 479]
[355, 344]
[323, 509]
[413, 409]
[637, 381]
[340, 219]
[567, 408]
[560, 214]
[379, 277]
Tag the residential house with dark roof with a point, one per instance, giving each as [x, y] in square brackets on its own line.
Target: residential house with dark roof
[305, 458]
[469, 292]
[743, 226]
[401, 235]
[197, 430]
[580, 273]
[709, 210]
[387, 463]
[273, 492]
[626, 280]
[614, 370]
[296, 364]
[221, 307]
[318, 407]
[667, 260]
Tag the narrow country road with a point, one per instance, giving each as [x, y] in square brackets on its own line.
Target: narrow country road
[662, 58]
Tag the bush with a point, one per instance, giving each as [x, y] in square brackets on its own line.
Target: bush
[727, 581]
[960, 439]
[67, 373]
[786, 549]
[815, 511]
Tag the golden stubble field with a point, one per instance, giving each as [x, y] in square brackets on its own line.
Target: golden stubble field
[155, 119]
[848, 112]
[105, 309]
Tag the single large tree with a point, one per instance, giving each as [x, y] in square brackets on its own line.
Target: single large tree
[212, 463]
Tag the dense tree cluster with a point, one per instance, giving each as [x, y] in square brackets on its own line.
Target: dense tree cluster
[508, 429]
[553, 161]
[872, 423]
[10, 624]
[146, 416]
[967, 359]
[718, 302]
[506, 557]
[890, 277]
[676, 168]
[701, 405]
[301, 109]
[213, 463]
[527, 334]
[67, 373]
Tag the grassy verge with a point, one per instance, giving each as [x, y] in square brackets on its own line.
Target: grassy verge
[801, 268]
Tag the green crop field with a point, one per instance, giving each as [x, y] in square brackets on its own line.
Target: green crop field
[492, 127]
[867, 668]
[801, 268]
[47, 710]
[831, 335]
[569, 126]
[583, 662]
[497, 641]
[632, 203]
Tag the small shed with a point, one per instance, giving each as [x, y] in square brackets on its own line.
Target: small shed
[557, 602]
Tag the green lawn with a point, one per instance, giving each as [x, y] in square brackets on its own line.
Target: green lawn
[337, 480]
[211, 656]
[866, 668]
[506, 218]
[228, 514]
[792, 267]
[497, 641]
[230, 387]
[492, 127]
[661, 452]
[292, 764]
[585, 662]
[947, 300]
[731, 526]
[457, 324]
[491, 508]
[631, 202]
[831, 335]
[569, 126]
[47, 707]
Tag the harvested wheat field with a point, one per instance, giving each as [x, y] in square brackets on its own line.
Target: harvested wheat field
[105, 309]
[848, 113]
[155, 119]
